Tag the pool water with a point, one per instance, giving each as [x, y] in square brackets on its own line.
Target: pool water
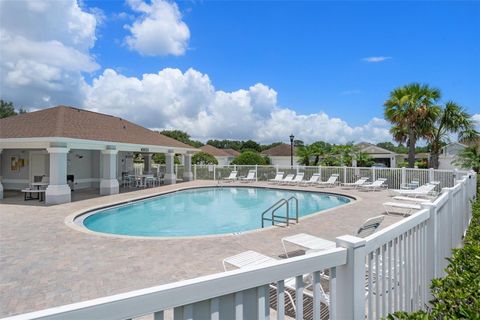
[203, 211]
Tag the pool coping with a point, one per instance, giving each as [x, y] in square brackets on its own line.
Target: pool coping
[72, 222]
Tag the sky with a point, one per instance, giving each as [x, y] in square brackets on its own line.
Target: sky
[239, 69]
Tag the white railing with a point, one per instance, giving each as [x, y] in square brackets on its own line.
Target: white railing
[396, 177]
[388, 271]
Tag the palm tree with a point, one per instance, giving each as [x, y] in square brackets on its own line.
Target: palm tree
[469, 158]
[451, 119]
[304, 154]
[411, 109]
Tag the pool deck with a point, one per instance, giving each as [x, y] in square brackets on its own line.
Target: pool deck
[45, 263]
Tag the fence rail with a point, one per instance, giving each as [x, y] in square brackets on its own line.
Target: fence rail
[396, 177]
[388, 271]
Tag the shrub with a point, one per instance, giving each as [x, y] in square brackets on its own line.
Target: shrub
[249, 158]
[457, 296]
[203, 158]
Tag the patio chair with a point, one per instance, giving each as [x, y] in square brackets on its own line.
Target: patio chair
[355, 184]
[232, 177]
[374, 186]
[329, 183]
[288, 178]
[278, 178]
[411, 185]
[252, 258]
[298, 178]
[309, 242]
[250, 177]
[410, 199]
[422, 191]
[404, 208]
[313, 180]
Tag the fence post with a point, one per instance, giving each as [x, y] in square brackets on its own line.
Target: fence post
[297, 169]
[195, 171]
[256, 172]
[404, 176]
[320, 172]
[344, 174]
[234, 167]
[449, 230]
[432, 247]
[431, 175]
[350, 295]
[214, 172]
[374, 176]
[276, 169]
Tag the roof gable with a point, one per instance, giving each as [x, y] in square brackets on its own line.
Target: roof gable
[282, 150]
[216, 152]
[372, 149]
[69, 122]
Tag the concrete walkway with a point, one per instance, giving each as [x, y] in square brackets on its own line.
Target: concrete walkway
[44, 263]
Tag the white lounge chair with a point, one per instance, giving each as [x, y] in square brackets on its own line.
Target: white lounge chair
[298, 178]
[250, 177]
[404, 208]
[313, 180]
[252, 258]
[232, 177]
[329, 183]
[410, 199]
[288, 178]
[355, 184]
[309, 242]
[424, 190]
[278, 177]
[374, 186]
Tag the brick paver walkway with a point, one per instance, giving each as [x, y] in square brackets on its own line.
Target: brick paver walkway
[44, 263]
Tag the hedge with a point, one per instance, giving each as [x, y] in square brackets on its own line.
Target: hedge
[457, 295]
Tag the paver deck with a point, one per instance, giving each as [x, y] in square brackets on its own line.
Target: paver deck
[44, 263]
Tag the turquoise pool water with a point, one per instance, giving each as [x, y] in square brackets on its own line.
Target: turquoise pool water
[202, 211]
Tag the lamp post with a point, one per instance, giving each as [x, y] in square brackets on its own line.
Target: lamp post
[291, 149]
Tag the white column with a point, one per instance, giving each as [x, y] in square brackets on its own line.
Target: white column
[351, 279]
[109, 182]
[147, 161]
[58, 191]
[1, 175]
[187, 172]
[170, 177]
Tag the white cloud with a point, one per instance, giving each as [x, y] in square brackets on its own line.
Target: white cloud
[45, 48]
[376, 59]
[476, 118]
[159, 30]
[188, 101]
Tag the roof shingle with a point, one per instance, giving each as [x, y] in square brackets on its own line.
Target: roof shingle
[69, 122]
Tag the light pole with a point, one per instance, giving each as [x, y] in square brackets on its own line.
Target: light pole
[291, 149]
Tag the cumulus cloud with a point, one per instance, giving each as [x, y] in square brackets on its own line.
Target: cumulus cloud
[43, 65]
[376, 59]
[476, 118]
[189, 101]
[159, 30]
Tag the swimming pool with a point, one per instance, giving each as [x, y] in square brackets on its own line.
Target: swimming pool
[202, 211]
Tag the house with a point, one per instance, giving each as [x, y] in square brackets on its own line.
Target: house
[449, 155]
[223, 156]
[281, 155]
[91, 148]
[379, 155]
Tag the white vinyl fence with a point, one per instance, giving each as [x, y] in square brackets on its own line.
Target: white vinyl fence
[395, 176]
[388, 271]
